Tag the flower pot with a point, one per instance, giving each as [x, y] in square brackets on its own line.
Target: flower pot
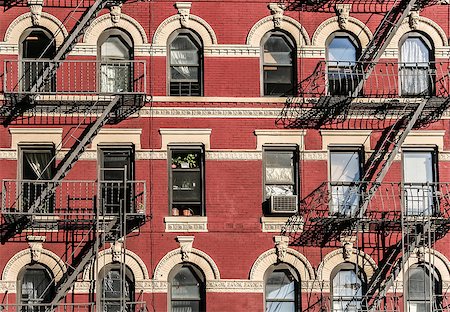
[175, 212]
[187, 212]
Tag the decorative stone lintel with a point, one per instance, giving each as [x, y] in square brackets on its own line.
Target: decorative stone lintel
[184, 10]
[36, 11]
[186, 224]
[276, 224]
[281, 246]
[343, 13]
[277, 11]
[117, 251]
[36, 246]
[115, 11]
[185, 246]
[413, 19]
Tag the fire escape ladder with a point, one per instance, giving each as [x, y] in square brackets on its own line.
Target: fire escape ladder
[382, 37]
[399, 137]
[74, 153]
[85, 256]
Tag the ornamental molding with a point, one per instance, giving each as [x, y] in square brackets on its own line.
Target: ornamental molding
[202, 260]
[277, 10]
[232, 50]
[315, 155]
[266, 24]
[277, 224]
[105, 257]
[298, 261]
[36, 11]
[185, 246]
[235, 286]
[115, 12]
[152, 286]
[126, 22]
[172, 23]
[24, 21]
[8, 287]
[84, 287]
[201, 112]
[343, 13]
[180, 224]
[353, 25]
[233, 155]
[184, 11]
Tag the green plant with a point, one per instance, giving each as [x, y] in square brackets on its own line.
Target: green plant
[191, 159]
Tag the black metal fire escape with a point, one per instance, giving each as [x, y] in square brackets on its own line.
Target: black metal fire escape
[377, 166]
[112, 112]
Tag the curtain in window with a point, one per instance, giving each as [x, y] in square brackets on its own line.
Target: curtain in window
[418, 178]
[415, 67]
[347, 291]
[40, 165]
[345, 191]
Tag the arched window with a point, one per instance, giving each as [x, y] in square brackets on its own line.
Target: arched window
[37, 48]
[185, 64]
[278, 62]
[187, 289]
[416, 68]
[348, 286]
[424, 289]
[36, 286]
[342, 53]
[116, 288]
[282, 290]
[116, 53]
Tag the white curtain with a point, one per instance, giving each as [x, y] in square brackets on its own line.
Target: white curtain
[40, 164]
[414, 67]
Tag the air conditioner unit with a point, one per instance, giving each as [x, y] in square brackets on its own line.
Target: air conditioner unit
[284, 204]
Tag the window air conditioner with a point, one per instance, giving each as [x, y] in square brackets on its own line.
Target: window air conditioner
[284, 204]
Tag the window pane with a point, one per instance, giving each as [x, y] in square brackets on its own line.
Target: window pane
[184, 73]
[341, 49]
[37, 45]
[114, 49]
[185, 285]
[37, 165]
[186, 186]
[36, 286]
[280, 307]
[116, 160]
[345, 166]
[419, 284]
[276, 44]
[415, 52]
[185, 306]
[272, 190]
[273, 74]
[418, 167]
[280, 285]
[183, 43]
[184, 57]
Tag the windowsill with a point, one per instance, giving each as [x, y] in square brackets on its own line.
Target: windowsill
[186, 224]
[274, 224]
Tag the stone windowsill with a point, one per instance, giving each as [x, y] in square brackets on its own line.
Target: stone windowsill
[186, 224]
[275, 224]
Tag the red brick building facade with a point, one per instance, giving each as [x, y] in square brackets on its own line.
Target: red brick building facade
[224, 156]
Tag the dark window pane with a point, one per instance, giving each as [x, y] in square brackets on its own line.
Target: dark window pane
[279, 75]
[37, 45]
[36, 286]
[186, 186]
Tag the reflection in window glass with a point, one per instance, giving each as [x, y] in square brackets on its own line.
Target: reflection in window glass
[278, 69]
[186, 291]
[281, 292]
[115, 70]
[113, 291]
[347, 291]
[424, 290]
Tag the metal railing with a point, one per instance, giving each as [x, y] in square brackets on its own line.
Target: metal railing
[75, 77]
[388, 79]
[74, 307]
[73, 198]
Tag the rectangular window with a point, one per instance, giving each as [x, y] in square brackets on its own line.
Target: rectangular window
[116, 178]
[186, 180]
[419, 177]
[346, 165]
[281, 179]
[37, 164]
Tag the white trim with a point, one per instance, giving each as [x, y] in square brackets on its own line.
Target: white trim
[271, 136]
[346, 137]
[118, 135]
[185, 135]
[35, 135]
[181, 224]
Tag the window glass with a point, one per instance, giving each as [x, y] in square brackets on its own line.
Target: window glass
[418, 175]
[36, 286]
[281, 292]
[345, 167]
[280, 172]
[347, 291]
[185, 66]
[278, 68]
[342, 49]
[113, 291]
[424, 289]
[115, 49]
[415, 74]
[186, 185]
[187, 291]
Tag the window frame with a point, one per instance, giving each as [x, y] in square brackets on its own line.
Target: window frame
[284, 267]
[128, 275]
[196, 148]
[198, 42]
[431, 273]
[20, 277]
[433, 150]
[335, 148]
[294, 149]
[358, 50]
[361, 275]
[198, 274]
[428, 43]
[292, 44]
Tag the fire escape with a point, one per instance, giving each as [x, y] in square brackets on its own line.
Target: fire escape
[71, 92]
[371, 95]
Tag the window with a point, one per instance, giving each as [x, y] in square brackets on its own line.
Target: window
[278, 64]
[186, 180]
[346, 165]
[115, 69]
[419, 175]
[416, 72]
[280, 173]
[347, 288]
[37, 163]
[187, 289]
[342, 54]
[282, 291]
[36, 287]
[424, 289]
[117, 165]
[185, 64]
[38, 47]
[116, 288]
